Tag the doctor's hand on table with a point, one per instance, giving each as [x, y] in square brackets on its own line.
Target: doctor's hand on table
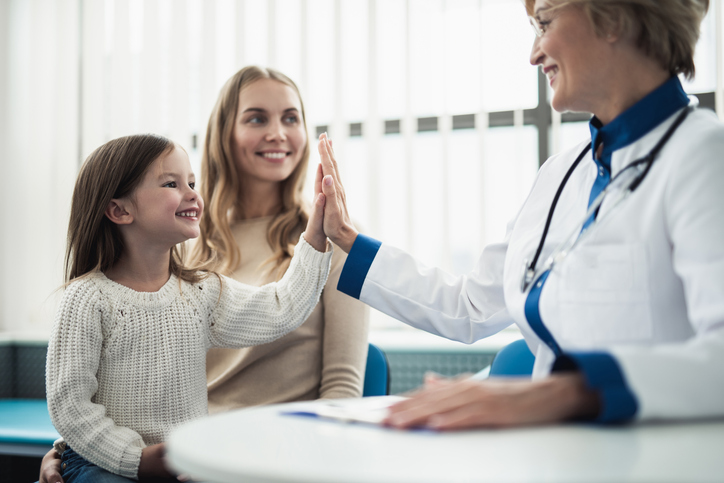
[464, 403]
[460, 403]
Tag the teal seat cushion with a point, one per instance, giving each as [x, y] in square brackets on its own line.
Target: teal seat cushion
[26, 421]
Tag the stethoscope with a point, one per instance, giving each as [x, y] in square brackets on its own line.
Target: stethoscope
[624, 183]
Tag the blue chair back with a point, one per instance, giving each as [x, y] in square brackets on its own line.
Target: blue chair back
[515, 359]
[377, 373]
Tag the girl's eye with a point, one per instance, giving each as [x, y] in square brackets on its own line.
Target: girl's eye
[170, 184]
[292, 119]
[543, 25]
[192, 185]
[255, 120]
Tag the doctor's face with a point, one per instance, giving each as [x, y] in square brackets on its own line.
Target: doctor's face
[571, 56]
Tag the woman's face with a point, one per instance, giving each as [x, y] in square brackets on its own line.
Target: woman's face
[572, 56]
[269, 136]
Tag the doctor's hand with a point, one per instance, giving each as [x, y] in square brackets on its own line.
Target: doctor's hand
[337, 223]
[448, 404]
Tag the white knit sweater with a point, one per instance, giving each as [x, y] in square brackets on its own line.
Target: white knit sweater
[126, 367]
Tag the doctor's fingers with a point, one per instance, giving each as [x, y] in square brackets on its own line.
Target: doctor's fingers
[329, 161]
[416, 410]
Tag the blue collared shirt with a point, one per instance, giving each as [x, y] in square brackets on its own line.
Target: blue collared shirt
[630, 126]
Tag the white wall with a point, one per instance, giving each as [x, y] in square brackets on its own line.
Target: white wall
[39, 98]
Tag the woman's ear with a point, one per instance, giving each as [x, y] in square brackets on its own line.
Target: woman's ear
[117, 213]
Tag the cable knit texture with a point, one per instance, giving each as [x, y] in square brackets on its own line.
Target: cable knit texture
[124, 367]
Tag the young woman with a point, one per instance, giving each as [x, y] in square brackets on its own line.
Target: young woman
[253, 174]
[614, 266]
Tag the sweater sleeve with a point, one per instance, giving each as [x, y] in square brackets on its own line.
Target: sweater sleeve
[344, 351]
[244, 315]
[74, 352]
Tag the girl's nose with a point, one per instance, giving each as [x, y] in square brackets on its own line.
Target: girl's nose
[191, 194]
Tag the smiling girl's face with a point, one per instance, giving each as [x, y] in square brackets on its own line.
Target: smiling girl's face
[269, 135]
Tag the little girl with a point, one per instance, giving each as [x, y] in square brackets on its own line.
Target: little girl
[126, 358]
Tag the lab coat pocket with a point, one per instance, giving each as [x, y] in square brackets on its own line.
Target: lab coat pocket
[604, 294]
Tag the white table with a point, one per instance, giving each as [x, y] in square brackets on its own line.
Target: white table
[263, 445]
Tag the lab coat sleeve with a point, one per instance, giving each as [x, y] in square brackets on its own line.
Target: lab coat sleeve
[465, 308]
[684, 379]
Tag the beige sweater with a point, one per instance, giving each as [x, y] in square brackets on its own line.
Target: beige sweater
[324, 358]
[124, 367]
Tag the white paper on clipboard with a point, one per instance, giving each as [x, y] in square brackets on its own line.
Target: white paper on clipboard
[371, 410]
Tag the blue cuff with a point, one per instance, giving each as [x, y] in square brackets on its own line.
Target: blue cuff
[358, 263]
[603, 374]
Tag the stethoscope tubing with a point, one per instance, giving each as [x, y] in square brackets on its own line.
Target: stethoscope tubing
[529, 269]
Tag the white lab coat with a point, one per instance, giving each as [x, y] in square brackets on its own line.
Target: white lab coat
[645, 287]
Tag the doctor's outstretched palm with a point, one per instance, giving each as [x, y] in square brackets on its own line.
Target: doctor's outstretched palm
[337, 224]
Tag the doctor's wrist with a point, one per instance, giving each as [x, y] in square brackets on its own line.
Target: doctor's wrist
[579, 401]
[346, 238]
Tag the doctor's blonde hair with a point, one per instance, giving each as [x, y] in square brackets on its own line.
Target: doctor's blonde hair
[665, 30]
[216, 248]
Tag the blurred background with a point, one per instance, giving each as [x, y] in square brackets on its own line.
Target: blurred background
[438, 119]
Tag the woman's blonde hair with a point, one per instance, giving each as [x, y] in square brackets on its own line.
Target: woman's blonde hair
[664, 30]
[112, 171]
[221, 185]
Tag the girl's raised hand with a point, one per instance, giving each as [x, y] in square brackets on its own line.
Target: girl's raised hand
[314, 234]
[337, 223]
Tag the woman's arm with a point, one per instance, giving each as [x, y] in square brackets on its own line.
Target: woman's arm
[344, 338]
[464, 308]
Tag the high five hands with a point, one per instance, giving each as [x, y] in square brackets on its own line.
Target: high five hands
[337, 224]
[458, 403]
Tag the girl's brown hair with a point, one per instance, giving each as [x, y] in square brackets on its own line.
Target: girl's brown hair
[112, 171]
[221, 184]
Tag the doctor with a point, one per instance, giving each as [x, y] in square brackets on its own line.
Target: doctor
[614, 267]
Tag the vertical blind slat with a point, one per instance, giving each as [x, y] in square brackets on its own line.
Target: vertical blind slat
[93, 103]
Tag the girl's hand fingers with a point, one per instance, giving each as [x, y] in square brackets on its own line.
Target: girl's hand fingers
[314, 234]
[330, 192]
[318, 181]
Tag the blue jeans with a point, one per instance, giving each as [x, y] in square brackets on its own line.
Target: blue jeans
[76, 469]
